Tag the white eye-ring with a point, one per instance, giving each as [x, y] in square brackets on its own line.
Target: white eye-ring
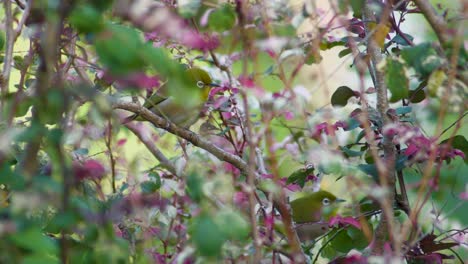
[326, 201]
[200, 84]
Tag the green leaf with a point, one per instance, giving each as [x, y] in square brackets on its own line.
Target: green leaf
[341, 96]
[86, 19]
[101, 5]
[233, 225]
[188, 8]
[423, 58]
[341, 242]
[357, 236]
[344, 52]
[11, 178]
[403, 110]
[207, 237]
[282, 30]
[40, 258]
[325, 45]
[300, 175]
[156, 178]
[148, 187]
[21, 106]
[350, 153]
[396, 79]
[416, 96]
[435, 82]
[223, 18]
[343, 6]
[352, 123]
[398, 39]
[458, 142]
[61, 221]
[312, 58]
[2, 40]
[349, 239]
[33, 239]
[357, 6]
[109, 49]
[370, 169]
[195, 187]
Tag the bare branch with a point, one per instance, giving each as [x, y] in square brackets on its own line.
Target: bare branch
[188, 135]
[153, 149]
[437, 23]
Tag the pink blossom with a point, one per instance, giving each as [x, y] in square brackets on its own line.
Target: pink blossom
[271, 53]
[117, 231]
[293, 187]
[240, 199]
[339, 124]
[356, 26]
[90, 169]
[121, 142]
[338, 220]
[170, 26]
[322, 128]
[463, 196]
[133, 80]
[247, 81]
[269, 221]
[292, 148]
[228, 167]
[288, 115]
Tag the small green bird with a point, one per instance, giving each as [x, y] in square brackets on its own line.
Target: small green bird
[312, 212]
[180, 111]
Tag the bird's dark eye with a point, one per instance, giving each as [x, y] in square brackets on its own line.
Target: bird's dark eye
[200, 84]
[326, 201]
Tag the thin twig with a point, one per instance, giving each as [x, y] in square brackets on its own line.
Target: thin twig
[8, 58]
[453, 124]
[166, 163]
[386, 169]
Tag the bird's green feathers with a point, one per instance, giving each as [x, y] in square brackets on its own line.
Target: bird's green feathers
[180, 108]
[314, 207]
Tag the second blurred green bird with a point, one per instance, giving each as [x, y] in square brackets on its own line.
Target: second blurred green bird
[312, 212]
[180, 106]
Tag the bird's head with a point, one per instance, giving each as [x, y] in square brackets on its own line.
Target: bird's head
[314, 207]
[202, 80]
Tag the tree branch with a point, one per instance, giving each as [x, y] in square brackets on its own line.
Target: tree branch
[5, 78]
[152, 148]
[385, 166]
[186, 134]
[437, 23]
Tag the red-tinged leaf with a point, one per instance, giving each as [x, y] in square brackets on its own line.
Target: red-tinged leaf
[352, 259]
[412, 149]
[338, 220]
[351, 221]
[429, 245]
[121, 142]
[463, 196]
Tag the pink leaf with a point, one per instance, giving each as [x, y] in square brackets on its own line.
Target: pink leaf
[288, 115]
[412, 149]
[121, 142]
[463, 196]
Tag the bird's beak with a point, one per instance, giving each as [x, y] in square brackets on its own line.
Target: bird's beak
[214, 85]
[340, 200]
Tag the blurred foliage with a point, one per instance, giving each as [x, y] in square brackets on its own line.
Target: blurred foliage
[77, 186]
